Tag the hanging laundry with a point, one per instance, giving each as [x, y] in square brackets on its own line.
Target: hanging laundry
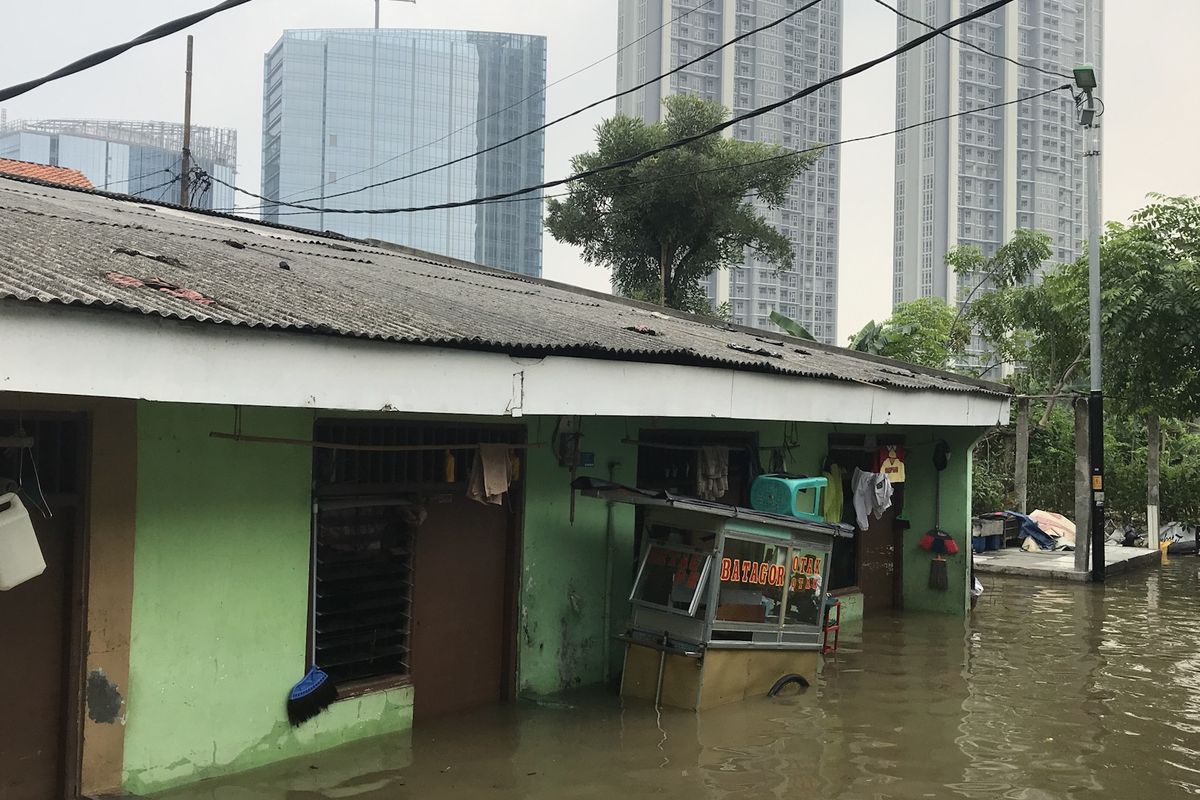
[489, 474]
[712, 475]
[890, 461]
[872, 496]
[833, 501]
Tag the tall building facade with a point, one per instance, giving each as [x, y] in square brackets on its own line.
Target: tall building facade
[343, 109]
[765, 68]
[142, 159]
[976, 179]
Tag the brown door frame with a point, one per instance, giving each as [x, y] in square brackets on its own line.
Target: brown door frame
[512, 583]
[77, 623]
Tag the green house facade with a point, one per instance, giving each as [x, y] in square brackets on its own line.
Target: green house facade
[258, 445]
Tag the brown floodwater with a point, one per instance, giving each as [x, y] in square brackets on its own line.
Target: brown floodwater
[1050, 690]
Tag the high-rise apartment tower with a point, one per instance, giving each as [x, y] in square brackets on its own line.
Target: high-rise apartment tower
[765, 68]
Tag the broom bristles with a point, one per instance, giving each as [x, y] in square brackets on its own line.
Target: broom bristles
[313, 694]
[938, 577]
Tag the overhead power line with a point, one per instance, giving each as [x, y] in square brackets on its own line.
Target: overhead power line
[95, 59]
[128, 181]
[974, 46]
[735, 40]
[781, 156]
[523, 100]
[629, 161]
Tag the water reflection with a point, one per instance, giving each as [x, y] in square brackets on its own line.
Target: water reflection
[1049, 691]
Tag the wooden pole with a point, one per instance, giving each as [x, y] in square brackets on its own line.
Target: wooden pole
[185, 161]
[1083, 486]
[1153, 453]
[1021, 469]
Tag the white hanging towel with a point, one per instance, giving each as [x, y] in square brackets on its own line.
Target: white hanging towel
[488, 482]
[20, 555]
[872, 496]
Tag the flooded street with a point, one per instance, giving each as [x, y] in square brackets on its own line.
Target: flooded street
[1051, 690]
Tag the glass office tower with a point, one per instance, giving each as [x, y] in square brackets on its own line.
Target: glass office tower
[344, 109]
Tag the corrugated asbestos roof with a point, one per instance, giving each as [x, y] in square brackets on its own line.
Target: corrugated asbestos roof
[92, 249]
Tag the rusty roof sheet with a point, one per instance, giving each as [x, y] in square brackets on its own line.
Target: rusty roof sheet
[95, 249]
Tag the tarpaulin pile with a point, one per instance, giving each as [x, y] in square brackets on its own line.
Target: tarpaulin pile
[1045, 530]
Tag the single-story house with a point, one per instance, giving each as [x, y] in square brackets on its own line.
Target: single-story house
[250, 449]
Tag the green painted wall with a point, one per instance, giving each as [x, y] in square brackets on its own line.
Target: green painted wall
[221, 580]
[220, 602]
[956, 519]
[560, 625]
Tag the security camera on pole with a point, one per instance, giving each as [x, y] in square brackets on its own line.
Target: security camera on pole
[1085, 79]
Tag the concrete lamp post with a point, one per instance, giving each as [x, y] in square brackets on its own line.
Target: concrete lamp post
[1085, 80]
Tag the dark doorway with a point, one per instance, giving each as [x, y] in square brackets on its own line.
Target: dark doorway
[37, 672]
[871, 561]
[668, 461]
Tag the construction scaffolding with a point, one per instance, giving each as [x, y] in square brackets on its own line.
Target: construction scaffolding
[217, 144]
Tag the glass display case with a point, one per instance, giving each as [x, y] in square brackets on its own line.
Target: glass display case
[725, 600]
[705, 579]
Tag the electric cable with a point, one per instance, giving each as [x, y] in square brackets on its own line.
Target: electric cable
[788, 154]
[108, 53]
[735, 40]
[523, 100]
[135, 178]
[974, 46]
[630, 160]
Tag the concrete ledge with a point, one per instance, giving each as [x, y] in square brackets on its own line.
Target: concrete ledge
[1061, 565]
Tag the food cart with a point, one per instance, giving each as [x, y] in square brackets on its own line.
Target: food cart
[726, 600]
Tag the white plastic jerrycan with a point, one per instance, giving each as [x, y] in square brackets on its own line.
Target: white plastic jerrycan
[20, 555]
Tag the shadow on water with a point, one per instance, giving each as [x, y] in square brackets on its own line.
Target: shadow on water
[1050, 690]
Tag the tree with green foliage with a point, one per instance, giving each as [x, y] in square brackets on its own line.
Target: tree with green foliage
[925, 331]
[667, 222]
[1150, 329]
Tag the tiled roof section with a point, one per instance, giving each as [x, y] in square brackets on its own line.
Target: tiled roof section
[92, 249]
[44, 172]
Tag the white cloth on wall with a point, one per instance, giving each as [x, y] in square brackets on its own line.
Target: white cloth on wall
[872, 496]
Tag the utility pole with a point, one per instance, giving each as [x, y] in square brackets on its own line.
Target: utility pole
[185, 161]
[1085, 79]
[377, 4]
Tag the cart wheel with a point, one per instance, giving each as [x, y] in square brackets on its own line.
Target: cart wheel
[799, 680]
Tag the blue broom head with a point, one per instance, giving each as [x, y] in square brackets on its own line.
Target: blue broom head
[312, 695]
[310, 683]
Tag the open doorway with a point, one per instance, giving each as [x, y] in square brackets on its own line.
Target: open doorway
[668, 460]
[871, 562]
[42, 460]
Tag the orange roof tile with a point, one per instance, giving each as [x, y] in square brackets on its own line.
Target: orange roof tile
[45, 172]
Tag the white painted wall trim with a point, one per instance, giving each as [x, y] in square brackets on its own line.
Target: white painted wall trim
[71, 351]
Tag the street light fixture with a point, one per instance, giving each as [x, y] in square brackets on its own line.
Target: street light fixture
[1085, 79]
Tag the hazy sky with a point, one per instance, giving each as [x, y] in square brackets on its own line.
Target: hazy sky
[1149, 86]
